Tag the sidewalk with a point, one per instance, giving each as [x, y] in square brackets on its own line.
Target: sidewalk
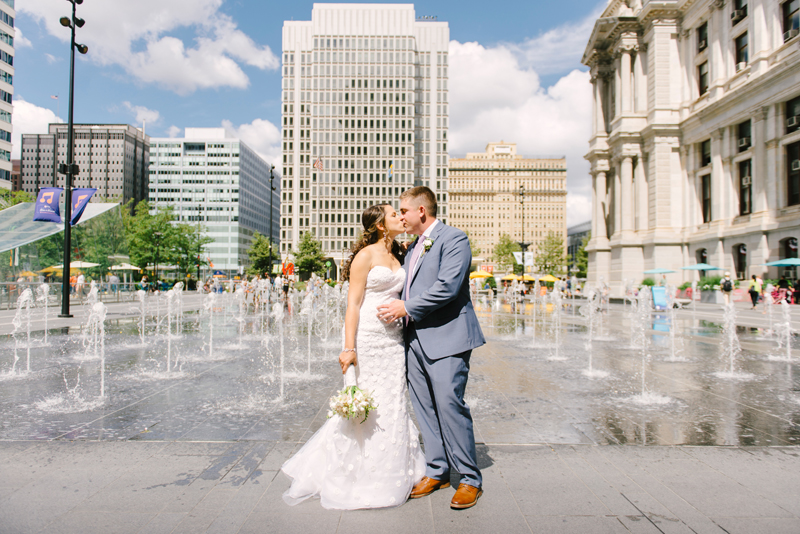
[227, 487]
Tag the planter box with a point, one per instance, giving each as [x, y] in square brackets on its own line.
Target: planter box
[713, 297]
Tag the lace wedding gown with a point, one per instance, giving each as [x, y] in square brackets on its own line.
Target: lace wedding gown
[375, 464]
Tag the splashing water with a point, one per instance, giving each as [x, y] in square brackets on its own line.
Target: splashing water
[23, 315]
[555, 325]
[590, 311]
[731, 349]
[277, 314]
[673, 350]
[208, 304]
[44, 293]
[95, 341]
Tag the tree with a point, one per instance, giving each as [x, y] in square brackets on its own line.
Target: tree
[261, 255]
[308, 258]
[474, 249]
[503, 256]
[582, 257]
[550, 257]
[187, 247]
[10, 198]
[149, 235]
[102, 239]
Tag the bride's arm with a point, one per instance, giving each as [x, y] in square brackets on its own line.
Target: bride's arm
[359, 270]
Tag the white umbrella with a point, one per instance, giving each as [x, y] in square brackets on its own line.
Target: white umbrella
[124, 267]
[78, 265]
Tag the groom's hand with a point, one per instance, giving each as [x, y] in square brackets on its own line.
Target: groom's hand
[392, 311]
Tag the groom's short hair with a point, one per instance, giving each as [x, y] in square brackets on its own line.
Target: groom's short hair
[424, 195]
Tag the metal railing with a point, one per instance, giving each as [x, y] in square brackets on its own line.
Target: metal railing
[107, 292]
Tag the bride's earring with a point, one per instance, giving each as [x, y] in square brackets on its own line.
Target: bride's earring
[386, 239]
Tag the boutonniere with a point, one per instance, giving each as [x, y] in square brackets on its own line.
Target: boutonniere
[427, 244]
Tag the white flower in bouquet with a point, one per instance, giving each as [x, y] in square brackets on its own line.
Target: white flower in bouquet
[351, 403]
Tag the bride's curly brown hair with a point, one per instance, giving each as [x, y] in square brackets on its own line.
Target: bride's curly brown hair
[371, 218]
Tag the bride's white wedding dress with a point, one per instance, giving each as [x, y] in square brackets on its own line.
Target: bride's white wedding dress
[375, 464]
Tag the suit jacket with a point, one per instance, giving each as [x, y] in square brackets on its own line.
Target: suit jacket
[438, 299]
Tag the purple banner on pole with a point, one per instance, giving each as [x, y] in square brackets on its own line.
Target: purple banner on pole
[46, 208]
[80, 198]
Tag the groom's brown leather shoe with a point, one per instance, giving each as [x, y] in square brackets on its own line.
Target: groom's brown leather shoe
[466, 497]
[426, 486]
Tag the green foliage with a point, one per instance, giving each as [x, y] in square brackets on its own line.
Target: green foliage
[685, 285]
[10, 198]
[582, 257]
[648, 282]
[474, 249]
[149, 235]
[261, 255]
[187, 245]
[551, 257]
[491, 282]
[709, 281]
[503, 256]
[308, 258]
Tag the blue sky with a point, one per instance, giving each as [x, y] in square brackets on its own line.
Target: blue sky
[515, 71]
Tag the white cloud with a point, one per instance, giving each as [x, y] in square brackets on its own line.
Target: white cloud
[260, 135]
[143, 114]
[28, 118]
[136, 37]
[494, 97]
[560, 49]
[51, 58]
[173, 131]
[20, 41]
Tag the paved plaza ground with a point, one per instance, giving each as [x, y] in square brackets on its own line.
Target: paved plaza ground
[561, 449]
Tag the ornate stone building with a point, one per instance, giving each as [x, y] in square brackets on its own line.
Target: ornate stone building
[695, 146]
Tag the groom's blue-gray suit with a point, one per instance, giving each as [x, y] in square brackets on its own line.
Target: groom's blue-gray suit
[440, 335]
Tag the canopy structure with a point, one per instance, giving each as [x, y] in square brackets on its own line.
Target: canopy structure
[17, 227]
[659, 270]
[701, 267]
[479, 274]
[124, 267]
[528, 278]
[548, 278]
[76, 265]
[788, 262]
[511, 277]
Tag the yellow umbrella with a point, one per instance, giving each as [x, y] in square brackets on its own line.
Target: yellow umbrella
[511, 277]
[27, 273]
[479, 274]
[528, 278]
[548, 278]
[48, 270]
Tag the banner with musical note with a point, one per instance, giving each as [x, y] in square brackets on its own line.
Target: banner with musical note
[80, 198]
[46, 208]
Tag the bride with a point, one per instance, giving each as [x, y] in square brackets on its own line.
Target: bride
[374, 464]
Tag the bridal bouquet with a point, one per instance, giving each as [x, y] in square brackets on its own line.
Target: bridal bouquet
[352, 402]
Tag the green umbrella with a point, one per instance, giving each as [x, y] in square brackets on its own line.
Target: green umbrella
[788, 262]
[701, 267]
[659, 270]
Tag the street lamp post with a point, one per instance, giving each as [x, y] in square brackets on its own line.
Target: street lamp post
[69, 169]
[158, 245]
[523, 245]
[271, 189]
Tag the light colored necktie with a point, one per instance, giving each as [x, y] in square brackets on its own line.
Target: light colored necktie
[411, 264]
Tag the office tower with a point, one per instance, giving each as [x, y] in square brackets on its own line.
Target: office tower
[364, 117]
[111, 157]
[211, 178]
[485, 198]
[7, 15]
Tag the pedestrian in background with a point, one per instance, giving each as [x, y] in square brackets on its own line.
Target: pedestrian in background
[755, 290]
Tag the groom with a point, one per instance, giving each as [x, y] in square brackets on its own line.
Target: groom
[441, 331]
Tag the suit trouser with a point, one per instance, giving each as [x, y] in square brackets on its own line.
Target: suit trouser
[437, 389]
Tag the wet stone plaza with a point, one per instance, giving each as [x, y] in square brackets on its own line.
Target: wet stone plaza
[174, 413]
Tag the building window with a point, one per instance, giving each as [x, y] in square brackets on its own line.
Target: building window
[791, 19]
[702, 78]
[739, 11]
[705, 153]
[741, 52]
[702, 36]
[740, 258]
[793, 115]
[705, 186]
[745, 187]
[793, 173]
[743, 135]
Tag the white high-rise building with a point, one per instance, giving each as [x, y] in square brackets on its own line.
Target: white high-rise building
[213, 179]
[365, 97]
[7, 15]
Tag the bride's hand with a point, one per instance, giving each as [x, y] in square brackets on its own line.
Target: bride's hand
[346, 358]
